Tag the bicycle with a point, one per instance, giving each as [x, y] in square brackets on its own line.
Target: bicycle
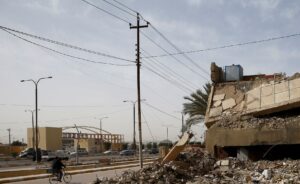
[53, 178]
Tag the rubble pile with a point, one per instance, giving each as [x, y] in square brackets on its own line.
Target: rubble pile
[185, 168]
[244, 122]
[266, 172]
[197, 167]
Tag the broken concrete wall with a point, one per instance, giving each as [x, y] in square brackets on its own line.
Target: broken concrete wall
[257, 97]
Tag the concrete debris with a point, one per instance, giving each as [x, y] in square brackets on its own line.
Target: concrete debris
[261, 172]
[244, 122]
[186, 167]
[197, 167]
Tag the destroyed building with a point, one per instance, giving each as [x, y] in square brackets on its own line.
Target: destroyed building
[253, 117]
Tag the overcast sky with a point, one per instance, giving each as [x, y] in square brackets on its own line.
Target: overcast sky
[81, 91]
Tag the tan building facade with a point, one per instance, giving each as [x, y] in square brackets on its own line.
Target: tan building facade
[50, 138]
[94, 145]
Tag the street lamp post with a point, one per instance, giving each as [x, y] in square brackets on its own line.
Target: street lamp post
[101, 131]
[32, 120]
[133, 104]
[36, 111]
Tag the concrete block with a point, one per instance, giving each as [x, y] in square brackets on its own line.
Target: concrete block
[174, 152]
[267, 90]
[281, 87]
[281, 97]
[219, 97]
[267, 174]
[228, 103]
[217, 111]
[222, 164]
[295, 93]
[295, 83]
[267, 100]
[217, 103]
[253, 99]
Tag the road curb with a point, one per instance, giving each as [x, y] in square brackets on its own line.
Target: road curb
[41, 176]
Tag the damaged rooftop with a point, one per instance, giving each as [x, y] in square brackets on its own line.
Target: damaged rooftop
[257, 112]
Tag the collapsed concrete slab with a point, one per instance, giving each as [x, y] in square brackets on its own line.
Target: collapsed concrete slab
[177, 148]
[258, 110]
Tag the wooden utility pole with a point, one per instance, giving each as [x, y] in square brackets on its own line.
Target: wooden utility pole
[138, 64]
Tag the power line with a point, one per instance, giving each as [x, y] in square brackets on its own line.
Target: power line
[190, 68]
[125, 6]
[169, 70]
[64, 54]
[177, 49]
[148, 126]
[165, 78]
[228, 46]
[164, 37]
[170, 115]
[65, 44]
[119, 8]
[107, 12]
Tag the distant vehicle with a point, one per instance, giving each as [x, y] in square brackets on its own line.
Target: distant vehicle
[110, 152]
[127, 152]
[27, 153]
[48, 155]
[30, 153]
[153, 151]
[81, 151]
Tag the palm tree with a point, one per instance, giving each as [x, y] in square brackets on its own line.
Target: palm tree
[196, 105]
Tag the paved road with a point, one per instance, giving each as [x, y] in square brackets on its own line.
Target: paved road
[86, 178]
[28, 164]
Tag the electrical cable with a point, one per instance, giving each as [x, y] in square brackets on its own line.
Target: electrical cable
[166, 77]
[170, 115]
[120, 8]
[64, 54]
[190, 68]
[148, 126]
[177, 49]
[125, 6]
[169, 70]
[172, 82]
[111, 14]
[65, 44]
[228, 46]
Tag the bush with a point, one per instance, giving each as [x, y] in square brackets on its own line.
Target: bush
[14, 154]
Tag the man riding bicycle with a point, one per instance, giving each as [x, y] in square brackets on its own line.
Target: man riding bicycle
[57, 166]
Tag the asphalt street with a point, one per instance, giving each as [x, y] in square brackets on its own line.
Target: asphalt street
[86, 178]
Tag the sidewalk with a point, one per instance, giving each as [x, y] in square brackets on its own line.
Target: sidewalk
[79, 171]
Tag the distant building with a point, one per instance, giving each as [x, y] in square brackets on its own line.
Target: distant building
[52, 138]
[49, 138]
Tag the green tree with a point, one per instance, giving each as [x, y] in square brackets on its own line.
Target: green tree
[149, 145]
[18, 143]
[196, 106]
[154, 145]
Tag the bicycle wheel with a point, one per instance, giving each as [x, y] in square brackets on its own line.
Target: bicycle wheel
[67, 177]
[53, 179]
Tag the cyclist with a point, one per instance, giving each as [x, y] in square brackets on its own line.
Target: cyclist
[57, 166]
